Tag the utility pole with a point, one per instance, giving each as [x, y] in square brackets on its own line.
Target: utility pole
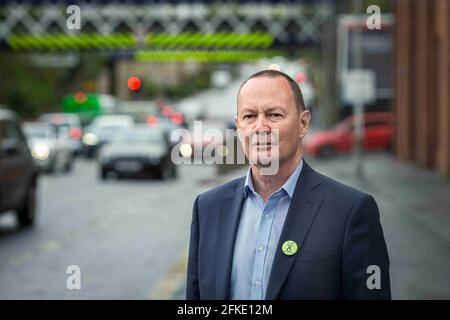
[358, 106]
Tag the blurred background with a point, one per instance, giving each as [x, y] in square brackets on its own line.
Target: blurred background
[90, 96]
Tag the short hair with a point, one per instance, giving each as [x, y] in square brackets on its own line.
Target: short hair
[295, 88]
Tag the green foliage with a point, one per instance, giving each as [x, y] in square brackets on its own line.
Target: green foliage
[24, 89]
[31, 91]
[187, 87]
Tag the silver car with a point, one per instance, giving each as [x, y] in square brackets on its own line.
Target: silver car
[68, 124]
[50, 151]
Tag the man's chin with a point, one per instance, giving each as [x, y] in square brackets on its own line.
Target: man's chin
[263, 162]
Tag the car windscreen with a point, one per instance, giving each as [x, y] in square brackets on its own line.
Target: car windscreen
[107, 132]
[146, 136]
[38, 132]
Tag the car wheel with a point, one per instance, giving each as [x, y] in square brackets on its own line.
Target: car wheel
[68, 166]
[163, 173]
[103, 174]
[27, 214]
[51, 167]
[327, 151]
[390, 145]
[174, 172]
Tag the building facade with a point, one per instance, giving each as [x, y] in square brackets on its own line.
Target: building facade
[422, 83]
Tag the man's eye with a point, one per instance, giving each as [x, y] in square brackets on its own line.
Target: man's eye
[248, 116]
[275, 115]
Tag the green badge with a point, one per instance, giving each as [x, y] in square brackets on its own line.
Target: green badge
[289, 248]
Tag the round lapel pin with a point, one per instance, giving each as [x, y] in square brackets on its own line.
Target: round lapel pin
[289, 247]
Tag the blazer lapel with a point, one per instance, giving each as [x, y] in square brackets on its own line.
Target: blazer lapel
[230, 212]
[302, 211]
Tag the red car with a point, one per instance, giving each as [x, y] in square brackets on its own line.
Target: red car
[378, 135]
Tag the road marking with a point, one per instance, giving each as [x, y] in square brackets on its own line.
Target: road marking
[172, 281]
[52, 245]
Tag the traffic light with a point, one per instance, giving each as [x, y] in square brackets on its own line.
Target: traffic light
[80, 97]
[134, 83]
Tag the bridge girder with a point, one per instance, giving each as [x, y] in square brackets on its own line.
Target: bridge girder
[288, 23]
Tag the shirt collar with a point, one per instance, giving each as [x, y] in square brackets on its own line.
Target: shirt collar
[288, 186]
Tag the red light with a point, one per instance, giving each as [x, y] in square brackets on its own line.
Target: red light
[301, 77]
[167, 111]
[80, 97]
[177, 118]
[152, 121]
[75, 133]
[134, 83]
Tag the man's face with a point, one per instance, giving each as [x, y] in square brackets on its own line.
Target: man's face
[270, 126]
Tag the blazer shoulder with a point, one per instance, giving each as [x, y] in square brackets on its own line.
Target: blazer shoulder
[340, 190]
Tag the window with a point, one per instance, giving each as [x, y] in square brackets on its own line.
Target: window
[10, 130]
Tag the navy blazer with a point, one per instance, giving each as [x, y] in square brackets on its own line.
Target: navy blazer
[337, 229]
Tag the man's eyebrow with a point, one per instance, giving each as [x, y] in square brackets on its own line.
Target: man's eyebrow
[247, 109]
[265, 109]
[273, 108]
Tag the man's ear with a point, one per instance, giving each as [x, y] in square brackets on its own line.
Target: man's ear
[305, 117]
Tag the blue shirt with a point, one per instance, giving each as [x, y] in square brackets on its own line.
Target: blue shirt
[257, 238]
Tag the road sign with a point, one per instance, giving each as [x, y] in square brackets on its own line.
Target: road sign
[359, 86]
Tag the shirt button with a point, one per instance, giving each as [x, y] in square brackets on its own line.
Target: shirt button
[257, 283]
[261, 248]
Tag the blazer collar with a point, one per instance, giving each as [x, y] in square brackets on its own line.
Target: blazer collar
[230, 212]
[304, 205]
[288, 186]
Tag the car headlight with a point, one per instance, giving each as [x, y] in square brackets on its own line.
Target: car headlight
[222, 150]
[90, 139]
[186, 150]
[40, 152]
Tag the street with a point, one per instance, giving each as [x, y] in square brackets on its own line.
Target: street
[123, 235]
[130, 236]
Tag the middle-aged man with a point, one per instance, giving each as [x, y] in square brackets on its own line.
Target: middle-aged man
[295, 234]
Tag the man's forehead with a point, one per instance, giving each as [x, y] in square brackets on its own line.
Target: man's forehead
[263, 83]
[257, 91]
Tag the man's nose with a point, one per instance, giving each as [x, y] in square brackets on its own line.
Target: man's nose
[261, 124]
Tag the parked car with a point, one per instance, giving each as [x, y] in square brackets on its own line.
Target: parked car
[378, 135]
[68, 124]
[138, 150]
[102, 130]
[18, 172]
[50, 149]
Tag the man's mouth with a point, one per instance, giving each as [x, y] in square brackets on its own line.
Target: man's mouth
[263, 144]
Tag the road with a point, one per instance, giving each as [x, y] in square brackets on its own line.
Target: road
[130, 237]
[123, 234]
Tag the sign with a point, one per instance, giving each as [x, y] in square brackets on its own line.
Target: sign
[359, 86]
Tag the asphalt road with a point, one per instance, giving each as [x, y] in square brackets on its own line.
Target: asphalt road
[123, 234]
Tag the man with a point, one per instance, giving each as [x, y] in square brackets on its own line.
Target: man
[295, 234]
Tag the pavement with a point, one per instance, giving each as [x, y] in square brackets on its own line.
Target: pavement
[414, 206]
